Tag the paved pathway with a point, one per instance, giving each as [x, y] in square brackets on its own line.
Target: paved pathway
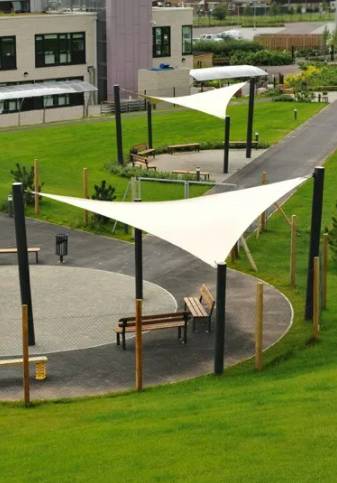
[107, 368]
[297, 154]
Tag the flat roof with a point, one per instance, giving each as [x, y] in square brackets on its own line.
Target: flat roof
[41, 89]
[227, 72]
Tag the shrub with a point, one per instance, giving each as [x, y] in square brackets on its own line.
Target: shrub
[103, 192]
[25, 175]
[220, 12]
[226, 47]
[284, 98]
[262, 57]
[333, 238]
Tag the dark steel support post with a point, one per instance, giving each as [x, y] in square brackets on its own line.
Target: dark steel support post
[118, 118]
[139, 263]
[250, 121]
[315, 235]
[23, 263]
[226, 144]
[220, 319]
[149, 124]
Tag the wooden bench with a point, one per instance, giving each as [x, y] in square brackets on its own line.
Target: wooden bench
[143, 150]
[35, 250]
[39, 361]
[242, 144]
[152, 322]
[183, 147]
[203, 174]
[141, 162]
[201, 308]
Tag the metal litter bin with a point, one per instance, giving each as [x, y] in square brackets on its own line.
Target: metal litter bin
[61, 246]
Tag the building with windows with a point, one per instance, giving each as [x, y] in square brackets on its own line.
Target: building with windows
[36, 49]
[125, 42]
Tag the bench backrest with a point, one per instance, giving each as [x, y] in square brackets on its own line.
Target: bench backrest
[153, 319]
[139, 147]
[207, 298]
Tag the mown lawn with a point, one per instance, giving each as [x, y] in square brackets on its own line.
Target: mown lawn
[279, 425]
[64, 149]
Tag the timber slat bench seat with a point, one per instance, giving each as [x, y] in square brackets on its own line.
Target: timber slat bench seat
[183, 147]
[39, 361]
[201, 308]
[152, 322]
[203, 174]
[143, 150]
[141, 162]
[36, 250]
[242, 144]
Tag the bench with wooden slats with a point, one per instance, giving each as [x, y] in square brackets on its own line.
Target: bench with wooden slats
[141, 162]
[183, 147]
[201, 309]
[36, 250]
[143, 150]
[152, 322]
[203, 174]
[39, 361]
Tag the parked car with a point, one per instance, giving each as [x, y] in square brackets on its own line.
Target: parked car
[230, 34]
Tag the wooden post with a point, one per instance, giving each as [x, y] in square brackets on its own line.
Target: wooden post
[316, 299]
[85, 194]
[36, 187]
[139, 346]
[248, 254]
[325, 270]
[293, 251]
[259, 326]
[263, 218]
[25, 353]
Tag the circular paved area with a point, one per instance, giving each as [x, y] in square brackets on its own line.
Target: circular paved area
[107, 368]
[74, 308]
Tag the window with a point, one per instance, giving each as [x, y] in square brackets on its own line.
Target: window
[7, 53]
[187, 39]
[59, 49]
[161, 41]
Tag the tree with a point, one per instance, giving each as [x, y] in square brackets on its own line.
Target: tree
[25, 175]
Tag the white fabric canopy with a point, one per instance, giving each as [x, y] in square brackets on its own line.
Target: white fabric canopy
[207, 227]
[50, 88]
[227, 72]
[212, 102]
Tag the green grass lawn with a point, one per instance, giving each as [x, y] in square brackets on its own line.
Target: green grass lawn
[279, 425]
[64, 149]
[263, 20]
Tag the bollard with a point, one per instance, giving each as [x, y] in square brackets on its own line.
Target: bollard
[295, 114]
[257, 136]
[197, 172]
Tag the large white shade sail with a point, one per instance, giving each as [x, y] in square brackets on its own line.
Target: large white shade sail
[227, 72]
[212, 102]
[207, 227]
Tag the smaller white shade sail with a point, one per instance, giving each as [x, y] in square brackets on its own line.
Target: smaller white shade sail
[212, 102]
[227, 72]
[207, 227]
[50, 88]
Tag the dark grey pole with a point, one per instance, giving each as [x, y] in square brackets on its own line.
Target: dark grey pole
[250, 121]
[315, 235]
[139, 261]
[21, 244]
[220, 318]
[118, 117]
[226, 144]
[149, 124]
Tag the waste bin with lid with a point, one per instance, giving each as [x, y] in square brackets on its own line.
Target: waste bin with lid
[61, 245]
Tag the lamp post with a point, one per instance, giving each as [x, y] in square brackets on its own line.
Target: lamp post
[118, 118]
[252, 83]
[220, 319]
